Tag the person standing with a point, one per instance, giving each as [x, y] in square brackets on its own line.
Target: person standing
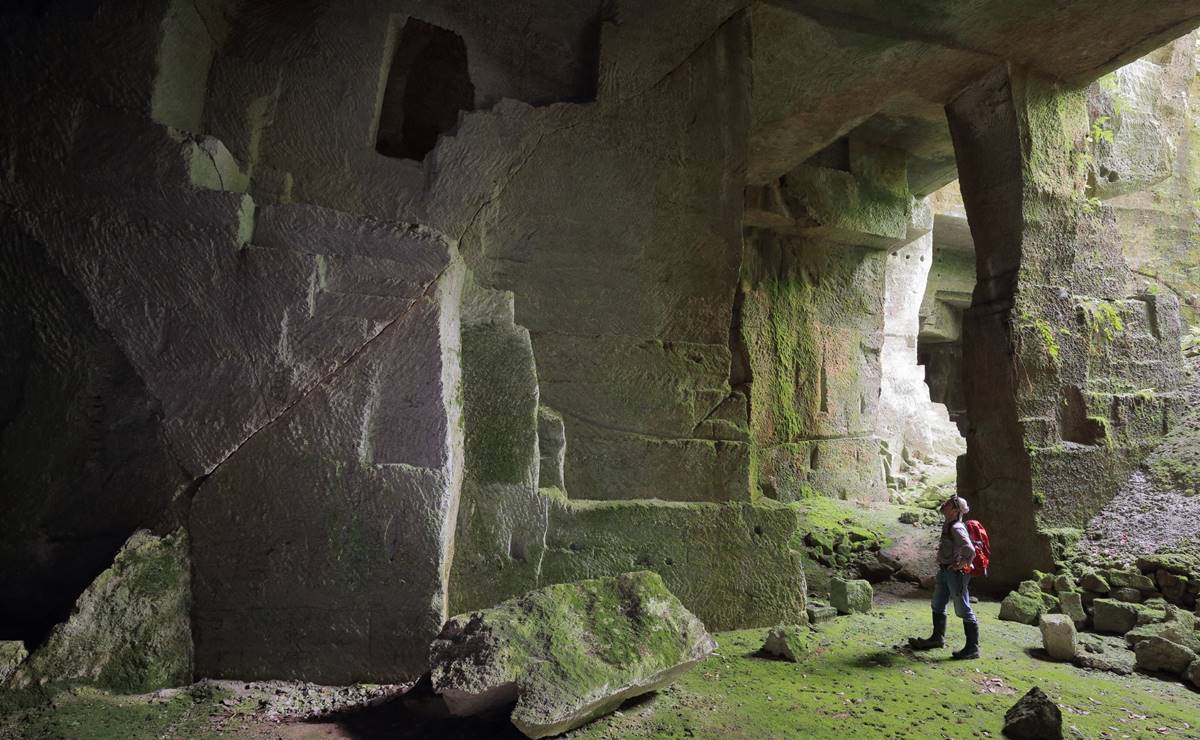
[955, 553]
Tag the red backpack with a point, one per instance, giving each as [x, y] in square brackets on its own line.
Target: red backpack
[983, 548]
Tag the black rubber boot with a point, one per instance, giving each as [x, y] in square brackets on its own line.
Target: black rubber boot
[936, 640]
[970, 651]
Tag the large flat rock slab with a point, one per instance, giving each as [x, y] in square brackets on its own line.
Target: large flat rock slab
[568, 653]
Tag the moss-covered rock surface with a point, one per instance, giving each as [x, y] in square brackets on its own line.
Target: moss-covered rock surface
[131, 629]
[853, 681]
[567, 653]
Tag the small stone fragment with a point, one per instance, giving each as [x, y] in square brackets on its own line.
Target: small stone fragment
[818, 612]
[1160, 655]
[788, 641]
[12, 652]
[1058, 636]
[1018, 607]
[1071, 604]
[1094, 582]
[850, 597]
[567, 653]
[1034, 716]
[1113, 617]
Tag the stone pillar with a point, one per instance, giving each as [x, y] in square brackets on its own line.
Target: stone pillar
[1058, 414]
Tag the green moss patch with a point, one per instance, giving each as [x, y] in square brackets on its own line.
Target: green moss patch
[855, 676]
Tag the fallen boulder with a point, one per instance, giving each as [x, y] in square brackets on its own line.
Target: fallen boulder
[1071, 604]
[788, 641]
[12, 652]
[1113, 617]
[1193, 673]
[1034, 716]
[818, 612]
[1094, 582]
[850, 597]
[1160, 655]
[1018, 607]
[568, 653]
[130, 630]
[1058, 636]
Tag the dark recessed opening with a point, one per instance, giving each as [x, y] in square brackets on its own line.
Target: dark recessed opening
[427, 85]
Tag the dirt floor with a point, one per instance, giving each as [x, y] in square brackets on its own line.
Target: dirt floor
[857, 682]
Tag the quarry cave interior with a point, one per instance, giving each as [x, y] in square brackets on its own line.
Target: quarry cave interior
[462, 368]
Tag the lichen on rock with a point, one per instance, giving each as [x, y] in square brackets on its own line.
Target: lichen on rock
[567, 653]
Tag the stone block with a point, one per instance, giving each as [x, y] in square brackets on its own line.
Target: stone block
[567, 653]
[1128, 595]
[1018, 607]
[1071, 604]
[1058, 636]
[1064, 583]
[1160, 655]
[789, 642]
[1113, 617]
[850, 597]
[1130, 579]
[1193, 673]
[1094, 582]
[818, 612]
[336, 521]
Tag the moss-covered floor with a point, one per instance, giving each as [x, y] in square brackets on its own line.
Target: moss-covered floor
[855, 684]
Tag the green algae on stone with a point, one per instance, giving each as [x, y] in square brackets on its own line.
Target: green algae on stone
[130, 630]
[567, 653]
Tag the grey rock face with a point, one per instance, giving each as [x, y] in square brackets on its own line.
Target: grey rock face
[1035, 716]
[567, 653]
[850, 597]
[1058, 636]
[131, 628]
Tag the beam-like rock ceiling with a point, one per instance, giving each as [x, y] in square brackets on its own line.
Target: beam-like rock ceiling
[822, 68]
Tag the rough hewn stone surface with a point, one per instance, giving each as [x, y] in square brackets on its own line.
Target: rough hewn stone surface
[1072, 605]
[1160, 655]
[1041, 446]
[733, 565]
[131, 628]
[567, 653]
[1018, 607]
[1113, 617]
[850, 597]
[1058, 636]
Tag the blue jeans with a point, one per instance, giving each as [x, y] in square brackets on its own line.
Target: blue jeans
[952, 586]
